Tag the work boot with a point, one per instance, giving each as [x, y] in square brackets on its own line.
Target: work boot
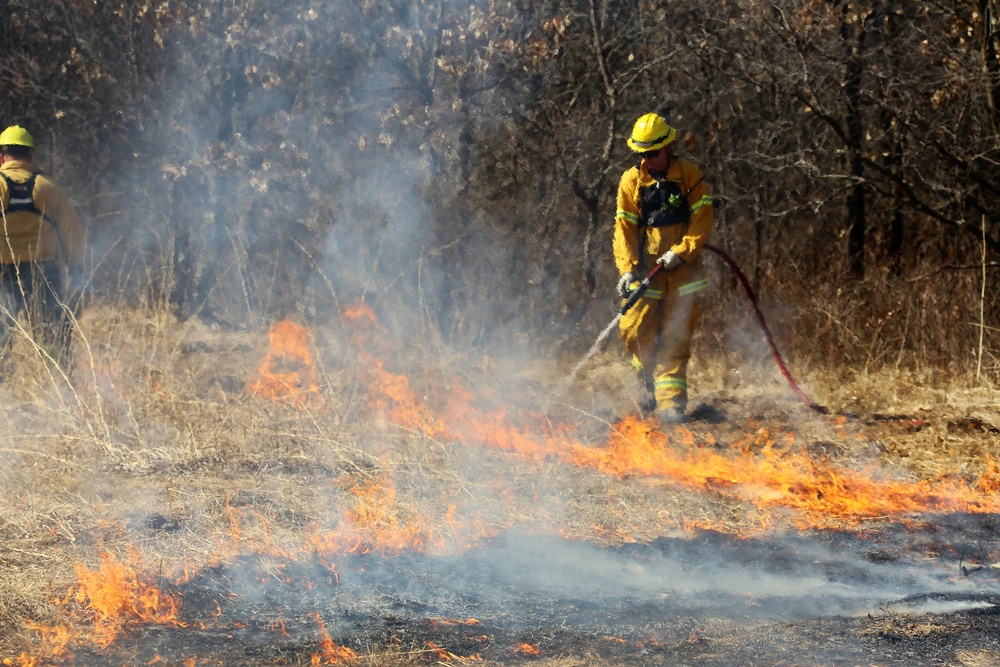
[648, 405]
[672, 415]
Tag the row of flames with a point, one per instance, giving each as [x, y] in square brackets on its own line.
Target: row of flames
[769, 475]
[757, 469]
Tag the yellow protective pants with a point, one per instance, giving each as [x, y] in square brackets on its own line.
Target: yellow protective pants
[657, 331]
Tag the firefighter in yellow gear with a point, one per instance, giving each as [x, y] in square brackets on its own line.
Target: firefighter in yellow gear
[41, 251]
[664, 216]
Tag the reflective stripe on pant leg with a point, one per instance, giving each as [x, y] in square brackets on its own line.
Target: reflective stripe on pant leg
[679, 318]
[637, 364]
[671, 390]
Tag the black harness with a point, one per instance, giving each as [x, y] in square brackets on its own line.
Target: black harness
[663, 204]
[21, 195]
[22, 198]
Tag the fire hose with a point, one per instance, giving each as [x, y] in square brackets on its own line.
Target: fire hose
[767, 332]
[640, 290]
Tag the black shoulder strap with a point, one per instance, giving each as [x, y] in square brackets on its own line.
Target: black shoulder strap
[21, 198]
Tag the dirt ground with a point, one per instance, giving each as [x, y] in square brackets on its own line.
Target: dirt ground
[407, 508]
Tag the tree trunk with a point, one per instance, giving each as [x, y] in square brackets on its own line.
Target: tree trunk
[990, 62]
[855, 129]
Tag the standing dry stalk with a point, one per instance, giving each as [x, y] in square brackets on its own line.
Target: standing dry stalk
[982, 302]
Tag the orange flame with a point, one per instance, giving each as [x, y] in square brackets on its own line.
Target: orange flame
[376, 515]
[288, 372]
[786, 479]
[765, 471]
[460, 420]
[445, 655]
[768, 479]
[115, 597]
[53, 645]
[105, 601]
[330, 653]
[989, 481]
[110, 599]
[376, 524]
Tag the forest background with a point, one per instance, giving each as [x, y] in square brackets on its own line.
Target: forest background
[454, 164]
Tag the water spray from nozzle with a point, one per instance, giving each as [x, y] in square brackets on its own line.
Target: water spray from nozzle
[631, 300]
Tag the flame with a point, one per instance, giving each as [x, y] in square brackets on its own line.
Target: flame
[376, 517]
[330, 653]
[439, 652]
[377, 524]
[461, 420]
[781, 478]
[457, 418]
[107, 601]
[361, 313]
[53, 643]
[989, 480]
[765, 470]
[755, 470]
[392, 396]
[288, 372]
[116, 596]
[445, 655]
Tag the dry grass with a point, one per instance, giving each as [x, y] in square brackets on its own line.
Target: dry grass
[154, 445]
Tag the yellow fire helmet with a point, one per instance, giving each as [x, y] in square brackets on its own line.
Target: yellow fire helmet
[15, 135]
[651, 132]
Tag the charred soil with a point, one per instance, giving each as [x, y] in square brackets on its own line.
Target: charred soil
[228, 498]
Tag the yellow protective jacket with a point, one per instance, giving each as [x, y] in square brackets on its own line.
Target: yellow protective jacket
[685, 239]
[28, 237]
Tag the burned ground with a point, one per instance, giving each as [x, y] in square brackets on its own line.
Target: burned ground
[717, 627]
[394, 511]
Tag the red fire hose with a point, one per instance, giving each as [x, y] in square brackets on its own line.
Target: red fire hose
[767, 332]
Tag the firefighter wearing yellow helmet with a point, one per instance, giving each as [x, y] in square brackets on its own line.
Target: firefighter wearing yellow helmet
[41, 250]
[664, 216]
